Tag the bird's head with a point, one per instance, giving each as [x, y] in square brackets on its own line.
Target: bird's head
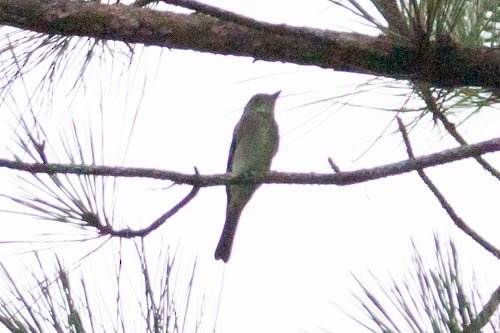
[262, 103]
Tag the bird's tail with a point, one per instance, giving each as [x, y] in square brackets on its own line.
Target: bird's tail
[238, 197]
[223, 250]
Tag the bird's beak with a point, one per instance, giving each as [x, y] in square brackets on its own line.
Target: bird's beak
[276, 94]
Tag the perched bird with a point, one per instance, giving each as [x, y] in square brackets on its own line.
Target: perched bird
[255, 142]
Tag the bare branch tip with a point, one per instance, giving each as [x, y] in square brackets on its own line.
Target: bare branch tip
[333, 165]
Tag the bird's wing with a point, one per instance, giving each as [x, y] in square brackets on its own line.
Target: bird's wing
[245, 125]
[232, 149]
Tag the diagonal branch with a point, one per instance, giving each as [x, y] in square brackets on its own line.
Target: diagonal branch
[129, 233]
[430, 101]
[339, 178]
[484, 316]
[216, 12]
[444, 203]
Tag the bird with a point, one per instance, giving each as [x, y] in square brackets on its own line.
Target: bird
[255, 142]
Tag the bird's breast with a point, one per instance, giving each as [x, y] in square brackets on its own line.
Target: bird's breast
[255, 150]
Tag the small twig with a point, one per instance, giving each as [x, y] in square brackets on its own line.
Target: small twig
[219, 13]
[442, 200]
[333, 165]
[143, 3]
[241, 20]
[213, 11]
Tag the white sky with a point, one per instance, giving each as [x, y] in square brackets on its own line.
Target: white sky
[296, 246]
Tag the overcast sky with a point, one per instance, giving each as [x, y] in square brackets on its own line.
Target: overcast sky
[296, 246]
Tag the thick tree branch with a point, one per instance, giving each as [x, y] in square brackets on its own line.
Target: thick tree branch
[329, 49]
[339, 178]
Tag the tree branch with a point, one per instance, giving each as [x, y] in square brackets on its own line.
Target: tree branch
[130, 233]
[444, 203]
[348, 52]
[339, 178]
[485, 315]
[430, 101]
